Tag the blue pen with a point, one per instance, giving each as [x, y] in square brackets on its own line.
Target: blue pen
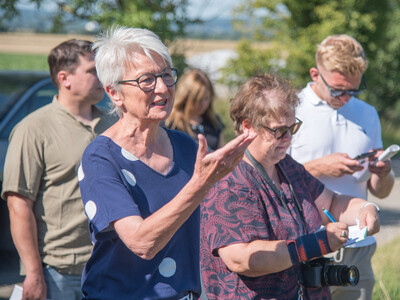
[328, 214]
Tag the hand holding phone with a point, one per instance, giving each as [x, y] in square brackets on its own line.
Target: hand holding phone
[389, 152]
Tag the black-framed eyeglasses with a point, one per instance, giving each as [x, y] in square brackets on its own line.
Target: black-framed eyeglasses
[339, 93]
[280, 132]
[147, 82]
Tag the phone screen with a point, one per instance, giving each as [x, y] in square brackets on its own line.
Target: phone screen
[365, 155]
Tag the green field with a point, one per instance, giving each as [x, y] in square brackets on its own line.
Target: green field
[10, 61]
[386, 265]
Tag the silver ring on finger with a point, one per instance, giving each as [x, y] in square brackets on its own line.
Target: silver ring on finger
[343, 234]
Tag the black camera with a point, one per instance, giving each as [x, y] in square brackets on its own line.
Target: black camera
[322, 272]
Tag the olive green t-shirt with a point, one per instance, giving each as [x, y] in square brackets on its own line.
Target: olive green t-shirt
[41, 164]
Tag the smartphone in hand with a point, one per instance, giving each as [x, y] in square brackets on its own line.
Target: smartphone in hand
[363, 156]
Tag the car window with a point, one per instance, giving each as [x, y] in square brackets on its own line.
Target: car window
[13, 85]
[40, 98]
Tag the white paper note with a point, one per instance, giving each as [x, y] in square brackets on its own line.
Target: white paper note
[356, 234]
[16, 293]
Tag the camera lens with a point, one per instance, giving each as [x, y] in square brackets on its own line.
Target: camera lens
[353, 275]
[341, 275]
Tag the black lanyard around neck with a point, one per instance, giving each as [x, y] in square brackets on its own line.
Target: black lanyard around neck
[260, 168]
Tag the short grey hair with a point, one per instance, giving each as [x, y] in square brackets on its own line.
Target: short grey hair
[262, 99]
[116, 48]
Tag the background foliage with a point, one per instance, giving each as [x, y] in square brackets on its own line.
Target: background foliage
[295, 27]
[167, 18]
[292, 28]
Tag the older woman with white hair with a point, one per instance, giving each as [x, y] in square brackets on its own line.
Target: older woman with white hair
[142, 184]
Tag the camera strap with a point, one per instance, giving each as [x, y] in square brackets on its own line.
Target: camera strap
[300, 283]
[300, 292]
[297, 206]
[280, 194]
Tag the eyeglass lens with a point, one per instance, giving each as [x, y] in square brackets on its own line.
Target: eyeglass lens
[147, 82]
[339, 93]
[281, 131]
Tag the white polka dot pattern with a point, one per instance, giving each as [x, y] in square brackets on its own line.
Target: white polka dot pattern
[167, 267]
[128, 155]
[90, 209]
[81, 175]
[129, 177]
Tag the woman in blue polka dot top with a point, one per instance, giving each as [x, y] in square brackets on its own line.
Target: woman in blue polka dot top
[141, 184]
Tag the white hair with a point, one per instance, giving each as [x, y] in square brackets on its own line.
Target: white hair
[116, 49]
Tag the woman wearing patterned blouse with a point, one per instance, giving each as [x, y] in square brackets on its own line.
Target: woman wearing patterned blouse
[141, 184]
[260, 222]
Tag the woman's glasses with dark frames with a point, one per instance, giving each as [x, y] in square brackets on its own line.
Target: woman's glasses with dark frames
[147, 82]
[280, 132]
[339, 93]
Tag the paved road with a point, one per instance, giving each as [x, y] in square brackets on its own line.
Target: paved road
[390, 215]
[389, 218]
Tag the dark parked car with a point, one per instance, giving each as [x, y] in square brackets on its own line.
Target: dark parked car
[21, 92]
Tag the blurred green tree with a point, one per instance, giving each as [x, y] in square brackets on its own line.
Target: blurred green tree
[293, 28]
[167, 18]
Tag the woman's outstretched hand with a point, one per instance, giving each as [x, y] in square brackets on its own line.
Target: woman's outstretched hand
[211, 167]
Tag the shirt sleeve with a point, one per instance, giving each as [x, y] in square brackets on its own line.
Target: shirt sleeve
[23, 166]
[105, 195]
[377, 134]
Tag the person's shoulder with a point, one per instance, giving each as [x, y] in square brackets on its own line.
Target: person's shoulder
[307, 96]
[288, 160]
[98, 145]
[358, 103]
[290, 165]
[39, 114]
[304, 92]
[34, 120]
[357, 108]
[101, 150]
[243, 175]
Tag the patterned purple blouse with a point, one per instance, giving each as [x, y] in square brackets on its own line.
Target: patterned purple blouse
[237, 210]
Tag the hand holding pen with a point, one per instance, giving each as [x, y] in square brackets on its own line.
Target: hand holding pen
[337, 231]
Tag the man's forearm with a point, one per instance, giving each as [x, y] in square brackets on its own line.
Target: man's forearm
[314, 168]
[346, 208]
[381, 186]
[24, 233]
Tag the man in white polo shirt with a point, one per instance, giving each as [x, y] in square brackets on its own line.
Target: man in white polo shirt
[336, 128]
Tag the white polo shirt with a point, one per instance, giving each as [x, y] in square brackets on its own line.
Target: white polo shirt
[353, 129]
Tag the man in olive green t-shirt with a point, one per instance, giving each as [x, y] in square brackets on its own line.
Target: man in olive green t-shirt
[48, 224]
